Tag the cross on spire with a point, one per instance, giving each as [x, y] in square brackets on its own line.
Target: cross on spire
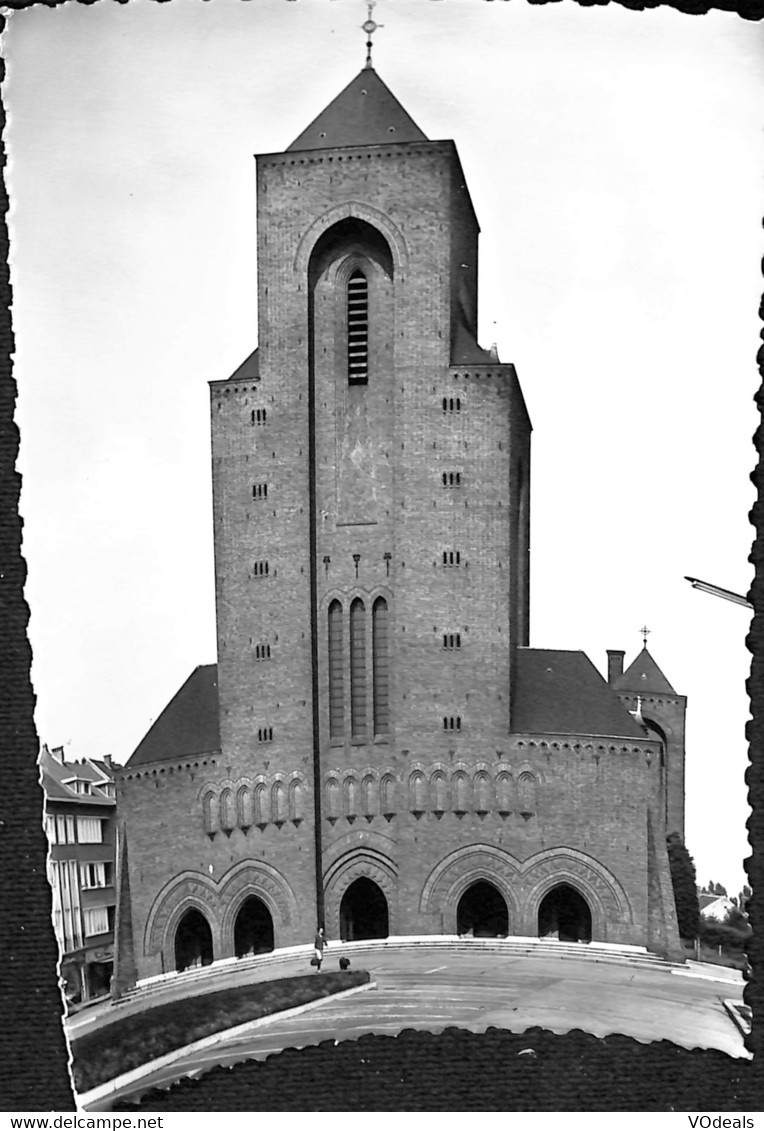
[645, 633]
[369, 26]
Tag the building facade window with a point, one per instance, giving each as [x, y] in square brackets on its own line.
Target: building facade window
[358, 328]
[452, 722]
[336, 673]
[452, 558]
[380, 666]
[452, 404]
[96, 921]
[89, 830]
[358, 669]
[262, 651]
[259, 490]
[259, 415]
[94, 875]
[265, 734]
[260, 569]
[452, 640]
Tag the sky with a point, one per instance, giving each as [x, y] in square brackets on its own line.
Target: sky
[614, 159]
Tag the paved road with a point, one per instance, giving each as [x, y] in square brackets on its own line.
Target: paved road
[433, 989]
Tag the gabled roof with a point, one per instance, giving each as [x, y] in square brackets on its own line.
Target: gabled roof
[642, 676]
[58, 777]
[366, 112]
[560, 692]
[188, 725]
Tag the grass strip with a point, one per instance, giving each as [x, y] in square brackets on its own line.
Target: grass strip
[141, 1037]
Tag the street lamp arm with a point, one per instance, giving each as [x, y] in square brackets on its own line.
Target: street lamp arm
[717, 591]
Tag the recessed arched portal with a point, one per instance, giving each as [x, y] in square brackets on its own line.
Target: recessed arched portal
[363, 912]
[253, 929]
[193, 941]
[482, 912]
[565, 914]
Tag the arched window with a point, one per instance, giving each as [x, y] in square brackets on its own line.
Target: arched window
[439, 791]
[211, 814]
[262, 808]
[369, 796]
[296, 807]
[336, 684]
[244, 807]
[527, 792]
[358, 669]
[227, 810]
[417, 792]
[387, 790]
[350, 798]
[278, 805]
[358, 328]
[381, 677]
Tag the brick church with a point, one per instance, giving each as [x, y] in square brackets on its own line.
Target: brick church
[378, 747]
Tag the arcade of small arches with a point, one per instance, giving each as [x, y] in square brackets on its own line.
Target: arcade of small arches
[438, 789]
[258, 802]
[478, 891]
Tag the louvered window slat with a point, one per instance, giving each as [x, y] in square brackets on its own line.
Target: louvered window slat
[358, 328]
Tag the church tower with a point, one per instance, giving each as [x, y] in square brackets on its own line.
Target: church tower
[371, 485]
[378, 748]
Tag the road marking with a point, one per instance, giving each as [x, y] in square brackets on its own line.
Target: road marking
[436, 968]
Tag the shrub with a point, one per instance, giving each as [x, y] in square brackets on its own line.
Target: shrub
[138, 1038]
[684, 883]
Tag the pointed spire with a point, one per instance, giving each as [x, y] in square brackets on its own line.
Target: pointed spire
[366, 112]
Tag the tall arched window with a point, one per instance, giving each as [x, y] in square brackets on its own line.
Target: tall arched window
[380, 663]
[358, 669]
[336, 683]
[358, 328]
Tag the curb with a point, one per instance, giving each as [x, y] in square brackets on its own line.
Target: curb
[103, 1091]
[733, 1009]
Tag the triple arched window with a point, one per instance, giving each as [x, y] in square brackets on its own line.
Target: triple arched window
[358, 328]
[369, 683]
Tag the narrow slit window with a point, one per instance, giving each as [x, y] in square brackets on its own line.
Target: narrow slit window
[380, 663]
[259, 490]
[358, 328]
[259, 415]
[336, 673]
[358, 669]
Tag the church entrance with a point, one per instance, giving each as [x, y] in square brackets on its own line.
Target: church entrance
[193, 941]
[564, 914]
[253, 929]
[482, 912]
[363, 912]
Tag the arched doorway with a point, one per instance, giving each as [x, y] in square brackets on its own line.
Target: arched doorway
[482, 912]
[193, 941]
[253, 929]
[363, 912]
[565, 914]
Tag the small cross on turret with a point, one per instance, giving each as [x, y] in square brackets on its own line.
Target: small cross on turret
[369, 26]
[645, 633]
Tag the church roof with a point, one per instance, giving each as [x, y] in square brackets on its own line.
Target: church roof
[366, 112]
[466, 351]
[642, 676]
[188, 725]
[560, 692]
[249, 370]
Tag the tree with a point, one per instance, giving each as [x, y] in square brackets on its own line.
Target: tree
[720, 889]
[684, 883]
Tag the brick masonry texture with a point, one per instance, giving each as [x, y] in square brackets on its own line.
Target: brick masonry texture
[422, 811]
